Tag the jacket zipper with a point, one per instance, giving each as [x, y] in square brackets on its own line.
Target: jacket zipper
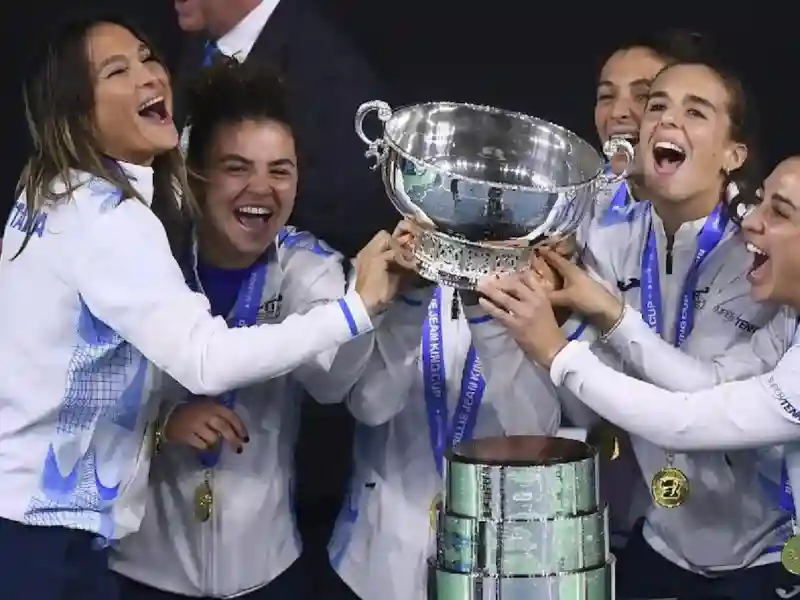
[668, 261]
[213, 536]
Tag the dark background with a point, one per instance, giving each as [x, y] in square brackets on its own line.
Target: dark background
[537, 58]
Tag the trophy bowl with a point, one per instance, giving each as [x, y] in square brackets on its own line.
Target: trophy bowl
[486, 186]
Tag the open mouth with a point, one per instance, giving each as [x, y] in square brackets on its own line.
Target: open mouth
[629, 136]
[760, 267]
[253, 218]
[668, 157]
[155, 110]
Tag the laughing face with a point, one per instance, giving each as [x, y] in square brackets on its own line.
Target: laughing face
[772, 232]
[622, 92]
[685, 143]
[132, 96]
[251, 171]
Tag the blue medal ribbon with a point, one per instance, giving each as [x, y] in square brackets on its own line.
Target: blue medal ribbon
[709, 237]
[244, 314]
[444, 435]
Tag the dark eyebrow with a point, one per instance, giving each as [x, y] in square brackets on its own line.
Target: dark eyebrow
[690, 98]
[280, 162]
[143, 48]
[783, 200]
[634, 83]
[702, 101]
[111, 59]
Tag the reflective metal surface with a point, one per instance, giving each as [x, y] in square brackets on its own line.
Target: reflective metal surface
[473, 175]
[521, 519]
[591, 584]
[521, 477]
[524, 546]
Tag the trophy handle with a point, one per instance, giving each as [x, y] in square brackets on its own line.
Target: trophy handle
[618, 145]
[374, 147]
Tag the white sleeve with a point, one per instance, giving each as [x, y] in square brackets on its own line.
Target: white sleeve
[657, 361]
[393, 368]
[127, 277]
[519, 389]
[330, 375]
[761, 411]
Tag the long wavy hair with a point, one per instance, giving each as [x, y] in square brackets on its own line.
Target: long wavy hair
[59, 107]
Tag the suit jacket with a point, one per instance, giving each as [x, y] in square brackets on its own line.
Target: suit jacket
[340, 199]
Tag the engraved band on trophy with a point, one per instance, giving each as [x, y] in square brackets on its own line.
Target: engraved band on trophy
[521, 519]
[486, 185]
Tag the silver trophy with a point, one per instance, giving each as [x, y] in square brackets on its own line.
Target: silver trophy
[485, 185]
[521, 519]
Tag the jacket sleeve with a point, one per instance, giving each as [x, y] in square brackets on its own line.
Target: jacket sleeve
[128, 279]
[651, 358]
[519, 389]
[393, 367]
[760, 411]
[317, 277]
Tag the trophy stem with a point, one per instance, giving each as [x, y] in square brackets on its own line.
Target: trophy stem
[462, 263]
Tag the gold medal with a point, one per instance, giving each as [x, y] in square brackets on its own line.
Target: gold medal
[434, 510]
[790, 555]
[203, 501]
[670, 487]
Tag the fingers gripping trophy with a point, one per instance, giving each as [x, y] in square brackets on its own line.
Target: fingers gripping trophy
[520, 518]
[486, 186]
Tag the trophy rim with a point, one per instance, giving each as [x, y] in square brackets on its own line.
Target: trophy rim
[571, 451]
[557, 189]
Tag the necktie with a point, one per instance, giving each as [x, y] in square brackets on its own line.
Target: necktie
[210, 53]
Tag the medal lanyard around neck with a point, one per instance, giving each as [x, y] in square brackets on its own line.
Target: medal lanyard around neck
[709, 237]
[619, 202]
[245, 313]
[444, 435]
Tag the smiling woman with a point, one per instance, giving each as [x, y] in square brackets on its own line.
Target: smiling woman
[681, 318]
[242, 156]
[95, 308]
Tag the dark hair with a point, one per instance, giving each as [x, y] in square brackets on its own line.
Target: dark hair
[674, 45]
[59, 104]
[229, 92]
[744, 126]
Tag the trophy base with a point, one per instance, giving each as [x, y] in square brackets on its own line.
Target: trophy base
[460, 263]
[590, 584]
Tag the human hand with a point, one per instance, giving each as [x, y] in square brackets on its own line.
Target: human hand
[405, 235]
[203, 423]
[580, 293]
[380, 270]
[519, 301]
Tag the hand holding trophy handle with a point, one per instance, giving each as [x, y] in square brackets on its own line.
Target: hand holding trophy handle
[375, 146]
[614, 147]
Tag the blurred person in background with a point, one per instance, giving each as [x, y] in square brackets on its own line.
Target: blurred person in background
[327, 78]
[190, 15]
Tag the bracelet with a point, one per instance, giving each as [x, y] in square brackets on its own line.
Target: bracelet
[616, 324]
[159, 435]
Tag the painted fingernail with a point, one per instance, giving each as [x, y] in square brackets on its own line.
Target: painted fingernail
[239, 450]
[246, 439]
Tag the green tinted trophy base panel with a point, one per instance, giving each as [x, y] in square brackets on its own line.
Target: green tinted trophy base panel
[592, 584]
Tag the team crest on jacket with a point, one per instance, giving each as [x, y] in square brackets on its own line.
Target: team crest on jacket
[269, 310]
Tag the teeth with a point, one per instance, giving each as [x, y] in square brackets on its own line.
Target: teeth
[150, 103]
[755, 249]
[255, 210]
[669, 146]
